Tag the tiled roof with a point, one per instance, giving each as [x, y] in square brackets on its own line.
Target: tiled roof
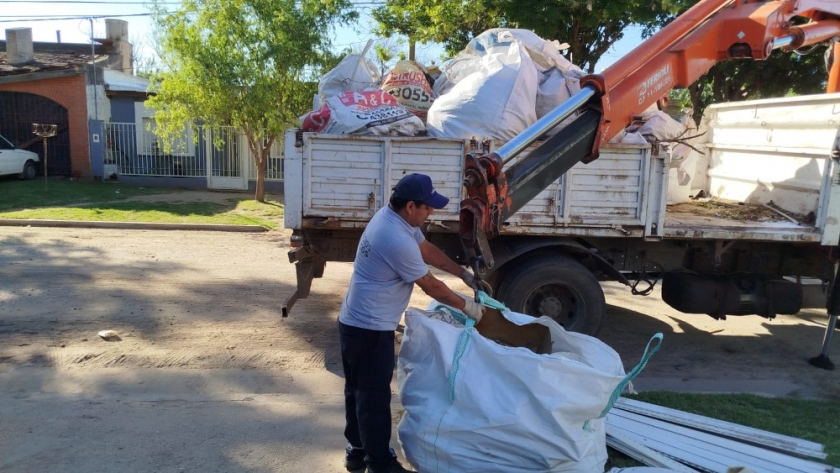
[51, 57]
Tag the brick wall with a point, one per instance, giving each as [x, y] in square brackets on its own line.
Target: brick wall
[70, 92]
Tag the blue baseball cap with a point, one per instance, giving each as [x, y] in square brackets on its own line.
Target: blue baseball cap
[419, 188]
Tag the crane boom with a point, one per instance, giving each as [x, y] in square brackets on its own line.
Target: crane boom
[676, 56]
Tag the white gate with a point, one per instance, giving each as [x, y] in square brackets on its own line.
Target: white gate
[227, 155]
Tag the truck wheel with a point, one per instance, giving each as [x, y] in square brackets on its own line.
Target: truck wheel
[29, 171]
[558, 287]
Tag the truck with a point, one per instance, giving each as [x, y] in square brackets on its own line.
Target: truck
[545, 220]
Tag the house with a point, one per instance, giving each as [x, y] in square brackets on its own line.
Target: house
[104, 129]
[60, 84]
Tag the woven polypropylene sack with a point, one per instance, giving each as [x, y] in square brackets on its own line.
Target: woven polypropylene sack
[473, 405]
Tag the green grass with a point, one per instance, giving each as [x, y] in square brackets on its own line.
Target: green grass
[817, 421]
[17, 195]
[109, 201]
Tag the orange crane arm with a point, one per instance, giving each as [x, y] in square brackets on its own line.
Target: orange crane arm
[676, 56]
[709, 32]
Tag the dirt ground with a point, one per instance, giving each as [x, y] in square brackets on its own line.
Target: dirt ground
[206, 375]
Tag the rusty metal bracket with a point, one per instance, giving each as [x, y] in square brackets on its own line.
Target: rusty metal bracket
[308, 265]
[480, 211]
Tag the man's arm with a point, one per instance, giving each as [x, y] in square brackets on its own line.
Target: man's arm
[435, 288]
[439, 291]
[433, 256]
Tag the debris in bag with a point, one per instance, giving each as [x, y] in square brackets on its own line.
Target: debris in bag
[354, 72]
[496, 327]
[366, 112]
[411, 86]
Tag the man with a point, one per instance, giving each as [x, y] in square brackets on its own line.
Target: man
[391, 257]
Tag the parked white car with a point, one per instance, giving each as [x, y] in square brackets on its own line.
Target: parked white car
[17, 161]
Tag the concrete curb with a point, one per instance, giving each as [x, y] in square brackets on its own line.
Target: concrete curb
[8, 222]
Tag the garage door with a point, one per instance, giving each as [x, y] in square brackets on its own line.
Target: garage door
[19, 110]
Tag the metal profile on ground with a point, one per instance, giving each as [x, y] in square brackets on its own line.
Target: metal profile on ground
[705, 451]
[627, 445]
[762, 438]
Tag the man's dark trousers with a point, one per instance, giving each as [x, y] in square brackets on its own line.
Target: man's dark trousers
[368, 359]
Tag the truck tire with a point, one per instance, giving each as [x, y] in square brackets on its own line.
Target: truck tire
[558, 287]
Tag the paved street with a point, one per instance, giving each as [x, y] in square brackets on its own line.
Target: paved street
[206, 375]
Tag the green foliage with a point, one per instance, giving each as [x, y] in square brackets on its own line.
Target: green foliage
[247, 63]
[590, 27]
[451, 23]
[782, 74]
[383, 57]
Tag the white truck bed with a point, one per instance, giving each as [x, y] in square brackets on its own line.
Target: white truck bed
[756, 152]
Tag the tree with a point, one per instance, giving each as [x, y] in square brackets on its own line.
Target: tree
[451, 23]
[144, 59]
[590, 27]
[246, 63]
[782, 74]
[384, 52]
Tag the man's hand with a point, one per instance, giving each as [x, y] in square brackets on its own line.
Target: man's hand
[474, 283]
[472, 309]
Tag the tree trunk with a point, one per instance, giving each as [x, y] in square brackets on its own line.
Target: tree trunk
[259, 195]
[260, 149]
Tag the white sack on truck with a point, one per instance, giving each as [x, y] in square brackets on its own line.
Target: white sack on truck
[501, 83]
[473, 405]
[554, 90]
[366, 112]
[354, 72]
[682, 171]
[407, 83]
[659, 126]
[488, 91]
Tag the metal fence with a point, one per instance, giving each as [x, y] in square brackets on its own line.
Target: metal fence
[138, 151]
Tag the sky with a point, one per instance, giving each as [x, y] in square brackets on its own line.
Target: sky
[72, 20]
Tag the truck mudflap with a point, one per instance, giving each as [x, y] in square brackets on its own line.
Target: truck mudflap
[308, 265]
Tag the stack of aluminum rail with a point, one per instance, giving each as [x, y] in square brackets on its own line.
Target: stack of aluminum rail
[671, 439]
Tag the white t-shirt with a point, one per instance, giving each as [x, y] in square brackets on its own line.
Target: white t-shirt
[388, 261]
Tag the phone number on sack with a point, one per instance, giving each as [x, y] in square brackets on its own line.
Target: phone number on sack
[410, 93]
[381, 113]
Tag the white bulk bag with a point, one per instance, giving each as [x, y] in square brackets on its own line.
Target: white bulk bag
[473, 405]
[660, 126]
[493, 95]
[683, 166]
[554, 90]
[354, 72]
